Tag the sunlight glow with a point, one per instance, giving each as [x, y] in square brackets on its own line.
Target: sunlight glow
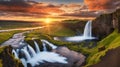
[48, 20]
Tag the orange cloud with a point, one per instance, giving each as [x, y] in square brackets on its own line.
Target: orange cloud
[101, 4]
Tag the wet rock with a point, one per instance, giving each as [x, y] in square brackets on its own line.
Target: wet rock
[74, 59]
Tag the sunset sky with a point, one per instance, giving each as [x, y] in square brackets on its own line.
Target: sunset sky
[38, 10]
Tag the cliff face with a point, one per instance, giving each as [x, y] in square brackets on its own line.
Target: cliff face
[102, 27]
[116, 19]
[106, 23]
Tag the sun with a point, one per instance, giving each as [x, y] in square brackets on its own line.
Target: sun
[48, 20]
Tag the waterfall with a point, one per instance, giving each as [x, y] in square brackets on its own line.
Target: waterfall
[31, 50]
[24, 62]
[50, 44]
[15, 53]
[25, 47]
[44, 47]
[37, 47]
[88, 29]
[87, 35]
[26, 54]
[35, 59]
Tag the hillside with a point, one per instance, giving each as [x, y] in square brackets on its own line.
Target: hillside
[106, 53]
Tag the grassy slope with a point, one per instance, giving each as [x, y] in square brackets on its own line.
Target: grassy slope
[110, 42]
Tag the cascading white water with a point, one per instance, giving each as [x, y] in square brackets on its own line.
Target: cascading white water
[31, 50]
[37, 47]
[44, 47]
[24, 62]
[48, 43]
[40, 57]
[25, 47]
[88, 29]
[26, 54]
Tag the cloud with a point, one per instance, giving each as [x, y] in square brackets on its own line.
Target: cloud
[82, 14]
[96, 5]
[27, 7]
[41, 10]
[20, 3]
[70, 8]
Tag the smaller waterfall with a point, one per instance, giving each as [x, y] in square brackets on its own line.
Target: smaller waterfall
[24, 62]
[26, 54]
[37, 47]
[50, 44]
[15, 53]
[31, 50]
[44, 47]
[25, 47]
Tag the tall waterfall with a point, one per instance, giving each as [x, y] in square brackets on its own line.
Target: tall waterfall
[35, 58]
[88, 29]
[87, 35]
